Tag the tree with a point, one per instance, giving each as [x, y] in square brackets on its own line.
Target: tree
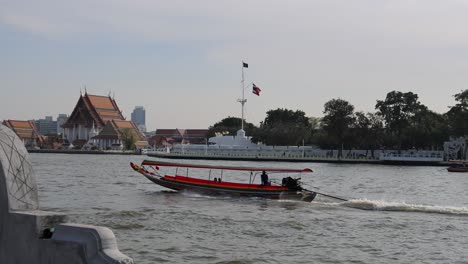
[427, 129]
[315, 130]
[283, 127]
[457, 116]
[315, 123]
[230, 125]
[361, 130]
[128, 139]
[397, 109]
[462, 99]
[337, 121]
[376, 132]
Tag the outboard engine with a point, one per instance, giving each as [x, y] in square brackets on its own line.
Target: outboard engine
[292, 184]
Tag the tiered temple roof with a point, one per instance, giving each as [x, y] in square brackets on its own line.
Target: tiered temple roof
[196, 136]
[94, 109]
[115, 129]
[171, 133]
[25, 130]
[172, 136]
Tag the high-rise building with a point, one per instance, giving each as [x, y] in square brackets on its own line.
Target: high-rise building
[139, 118]
[47, 126]
[61, 119]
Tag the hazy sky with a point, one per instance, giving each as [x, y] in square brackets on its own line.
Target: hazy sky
[181, 60]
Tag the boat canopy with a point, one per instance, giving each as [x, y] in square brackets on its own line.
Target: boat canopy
[181, 165]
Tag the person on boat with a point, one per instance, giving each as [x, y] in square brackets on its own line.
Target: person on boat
[264, 178]
[284, 182]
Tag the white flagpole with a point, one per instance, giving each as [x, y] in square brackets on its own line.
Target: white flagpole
[243, 97]
[243, 100]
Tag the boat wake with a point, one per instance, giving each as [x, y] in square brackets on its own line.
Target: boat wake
[377, 205]
[197, 195]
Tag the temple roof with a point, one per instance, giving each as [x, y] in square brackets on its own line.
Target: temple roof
[116, 128]
[196, 132]
[192, 136]
[94, 109]
[24, 129]
[170, 132]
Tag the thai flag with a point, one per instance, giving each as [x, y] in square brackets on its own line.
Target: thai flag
[255, 89]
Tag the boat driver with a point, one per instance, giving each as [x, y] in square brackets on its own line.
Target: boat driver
[264, 178]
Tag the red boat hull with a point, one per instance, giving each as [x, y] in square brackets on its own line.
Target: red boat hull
[457, 169]
[183, 183]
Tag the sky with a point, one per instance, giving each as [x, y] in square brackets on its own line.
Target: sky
[182, 60]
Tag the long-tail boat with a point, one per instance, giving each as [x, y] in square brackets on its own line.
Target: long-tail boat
[289, 189]
[458, 166]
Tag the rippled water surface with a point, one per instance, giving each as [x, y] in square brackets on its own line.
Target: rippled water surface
[395, 215]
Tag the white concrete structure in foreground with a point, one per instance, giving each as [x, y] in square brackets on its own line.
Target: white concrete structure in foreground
[28, 235]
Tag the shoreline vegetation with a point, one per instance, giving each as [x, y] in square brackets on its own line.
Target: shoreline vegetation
[400, 122]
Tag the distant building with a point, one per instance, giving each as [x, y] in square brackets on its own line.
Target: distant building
[142, 128]
[139, 118]
[196, 136]
[91, 111]
[61, 119]
[26, 131]
[97, 122]
[149, 134]
[169, 137]
[46, 126]
[114, 133]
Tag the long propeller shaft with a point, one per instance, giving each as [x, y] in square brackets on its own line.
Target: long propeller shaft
[327, 195]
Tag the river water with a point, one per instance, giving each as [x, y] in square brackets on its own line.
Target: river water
[395, 215]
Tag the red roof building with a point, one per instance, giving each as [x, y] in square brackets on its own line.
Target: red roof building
[90, 111]
[115, 132]
[196, 136]
[169, 137]
[26, 131]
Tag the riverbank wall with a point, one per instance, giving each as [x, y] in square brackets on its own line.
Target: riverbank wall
[77, 151]
[297, 159]
[392, 159]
